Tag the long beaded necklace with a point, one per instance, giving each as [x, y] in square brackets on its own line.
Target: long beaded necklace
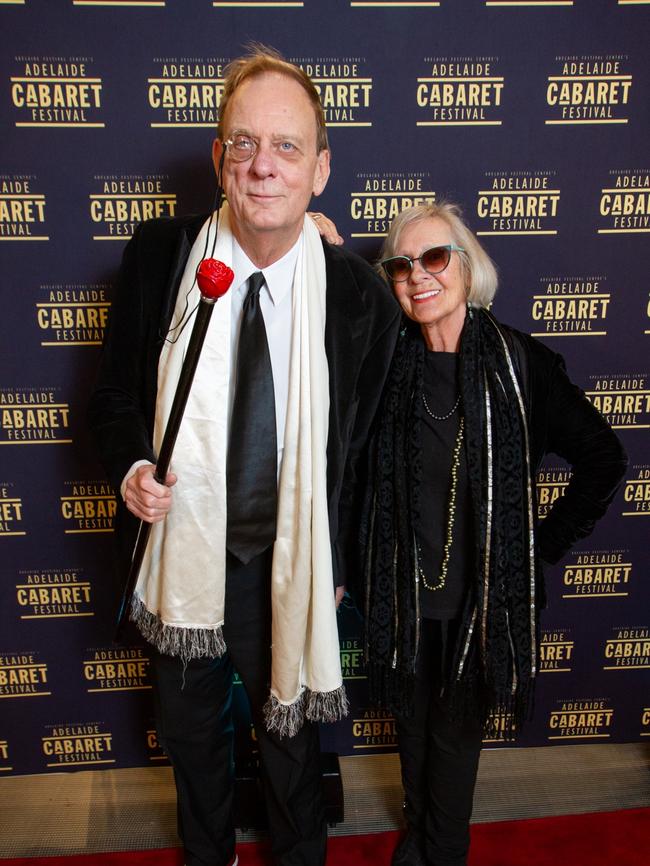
[451, 503]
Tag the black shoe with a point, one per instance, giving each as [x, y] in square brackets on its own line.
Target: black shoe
[409, 852]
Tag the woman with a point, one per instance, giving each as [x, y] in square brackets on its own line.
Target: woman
[452, 550]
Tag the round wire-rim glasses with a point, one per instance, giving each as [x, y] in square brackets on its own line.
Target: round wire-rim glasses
[241, 147]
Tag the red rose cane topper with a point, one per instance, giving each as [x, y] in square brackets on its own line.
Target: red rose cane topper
[214, 278]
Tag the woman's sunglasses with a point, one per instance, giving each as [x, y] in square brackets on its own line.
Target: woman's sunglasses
[434, 261]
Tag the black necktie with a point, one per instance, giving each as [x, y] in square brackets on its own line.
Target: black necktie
[252, 450]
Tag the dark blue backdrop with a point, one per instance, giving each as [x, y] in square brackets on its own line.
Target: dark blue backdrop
[532, 115]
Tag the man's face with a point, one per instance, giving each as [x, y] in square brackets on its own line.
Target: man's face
[270, 192]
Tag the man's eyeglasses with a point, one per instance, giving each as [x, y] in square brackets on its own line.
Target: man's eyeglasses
[433, 260]
[241, 148]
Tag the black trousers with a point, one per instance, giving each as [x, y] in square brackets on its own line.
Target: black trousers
[194, 721]
[439, 758]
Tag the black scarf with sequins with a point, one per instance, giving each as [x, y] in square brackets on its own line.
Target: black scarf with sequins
[494, 662]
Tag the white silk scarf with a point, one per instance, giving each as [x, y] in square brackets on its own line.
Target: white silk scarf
[179, 599]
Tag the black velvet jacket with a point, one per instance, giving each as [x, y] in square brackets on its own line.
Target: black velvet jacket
[361, 327]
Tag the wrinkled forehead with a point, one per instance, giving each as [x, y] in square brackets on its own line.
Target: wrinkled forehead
[267, 99]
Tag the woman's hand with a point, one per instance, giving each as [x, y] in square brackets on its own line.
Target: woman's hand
[326, 228]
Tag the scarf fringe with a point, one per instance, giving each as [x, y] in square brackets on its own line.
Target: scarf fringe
[171, 640]
[287, 719]
[504, 710]
[505, 721]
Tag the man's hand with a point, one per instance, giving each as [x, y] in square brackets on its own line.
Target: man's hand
[338, 595]
[147, 499]
[326, 228]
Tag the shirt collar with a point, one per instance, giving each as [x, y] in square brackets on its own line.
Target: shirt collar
[278, 276]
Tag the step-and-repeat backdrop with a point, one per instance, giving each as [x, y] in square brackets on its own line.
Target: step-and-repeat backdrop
[533, 114]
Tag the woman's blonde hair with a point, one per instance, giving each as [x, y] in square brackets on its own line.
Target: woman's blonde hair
[478, 269]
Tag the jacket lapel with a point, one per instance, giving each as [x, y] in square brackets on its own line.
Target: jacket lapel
[186, 238]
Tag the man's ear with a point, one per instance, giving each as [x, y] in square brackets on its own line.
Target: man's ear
[322, 172]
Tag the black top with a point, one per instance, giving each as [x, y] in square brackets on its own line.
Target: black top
[441, 388]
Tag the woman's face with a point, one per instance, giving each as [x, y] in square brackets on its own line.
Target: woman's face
[436, 301]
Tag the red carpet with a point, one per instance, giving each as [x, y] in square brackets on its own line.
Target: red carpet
[595, 839]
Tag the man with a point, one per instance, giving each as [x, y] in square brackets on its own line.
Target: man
[233, 567]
